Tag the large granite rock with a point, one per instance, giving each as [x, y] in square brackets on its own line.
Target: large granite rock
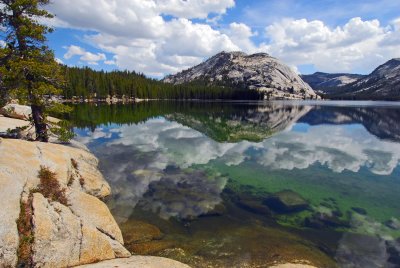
[138, 262]
[95, 213]
[81, 231]
[16, 111]
[257, 71]
[16, 118]
[22, 112]
[11, 124]
[57, 233]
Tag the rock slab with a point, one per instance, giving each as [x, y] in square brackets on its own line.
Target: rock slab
[82, 231]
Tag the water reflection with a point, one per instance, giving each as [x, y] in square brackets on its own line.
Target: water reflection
[332, 138]
[180, 161]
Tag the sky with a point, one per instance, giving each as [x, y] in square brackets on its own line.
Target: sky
[161, 37]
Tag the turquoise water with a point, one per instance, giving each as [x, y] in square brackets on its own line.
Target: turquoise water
[253, 184]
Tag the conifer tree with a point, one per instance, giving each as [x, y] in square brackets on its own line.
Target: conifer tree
[28, 69]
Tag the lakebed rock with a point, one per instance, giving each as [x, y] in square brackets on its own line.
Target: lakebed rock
[254, 205]
[138, 231]
[292, 265]
[286, 201]
[138, 262]
[79, 232]
[324, 220]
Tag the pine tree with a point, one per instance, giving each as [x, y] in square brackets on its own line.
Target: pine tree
[28, 69]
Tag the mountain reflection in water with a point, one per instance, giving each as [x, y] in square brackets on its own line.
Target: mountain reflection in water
[187, 166]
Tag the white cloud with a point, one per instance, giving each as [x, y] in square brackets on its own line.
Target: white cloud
[85, 56]
[59, 61]
[141, 39]
[241, 35]
[345, 149]
[357, 45]
[182, 45]
[109, 62]
[193, 8]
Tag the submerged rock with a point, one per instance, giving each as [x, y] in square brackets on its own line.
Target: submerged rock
[138, 262]
[150, 247]
[254, 205]
[138, 231]
[286, 201]
[323, 220]
[292, 265]
[393, 223]
[359, 210]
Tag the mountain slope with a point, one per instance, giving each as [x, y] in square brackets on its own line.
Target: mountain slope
[382, 84]
[326, 83]
[237, 70]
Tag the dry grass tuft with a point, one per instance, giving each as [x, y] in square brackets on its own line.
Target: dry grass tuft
[26, 238]
[50, 187]
[74, 163]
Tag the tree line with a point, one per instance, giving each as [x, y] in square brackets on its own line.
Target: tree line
[85, 83]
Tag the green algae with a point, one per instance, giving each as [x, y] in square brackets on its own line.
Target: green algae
[317, 185]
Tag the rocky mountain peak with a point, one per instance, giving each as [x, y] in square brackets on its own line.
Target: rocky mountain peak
[382, 84]
[258, 71]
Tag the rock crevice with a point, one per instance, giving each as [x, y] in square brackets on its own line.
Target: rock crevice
[80, 231]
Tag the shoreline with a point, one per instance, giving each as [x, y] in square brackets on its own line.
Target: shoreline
[98, 243]
[52, 210]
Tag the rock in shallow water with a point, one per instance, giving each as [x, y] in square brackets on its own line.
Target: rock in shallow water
[393, 223]
[138, 231]
[359, 210]
[323, 220]
[286, 201]
[254, 205]
[150, 247]
[138, 262]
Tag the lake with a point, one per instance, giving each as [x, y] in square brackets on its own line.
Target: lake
[252, 184]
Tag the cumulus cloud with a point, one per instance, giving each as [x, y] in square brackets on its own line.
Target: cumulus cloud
[141, 39]
[85, 56]
[158, 37]
[357, 45]
[344, 149]
[193, 8]
[175, 144]
[241, 35]
[59, 61]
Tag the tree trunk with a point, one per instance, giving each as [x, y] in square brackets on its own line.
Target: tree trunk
[40, 124]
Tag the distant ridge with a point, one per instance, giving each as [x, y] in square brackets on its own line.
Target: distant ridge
[326, 83]
[382, 84]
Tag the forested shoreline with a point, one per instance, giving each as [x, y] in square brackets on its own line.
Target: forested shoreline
[86, 83]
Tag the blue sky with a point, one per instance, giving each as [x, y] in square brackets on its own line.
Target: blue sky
[158, 37]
